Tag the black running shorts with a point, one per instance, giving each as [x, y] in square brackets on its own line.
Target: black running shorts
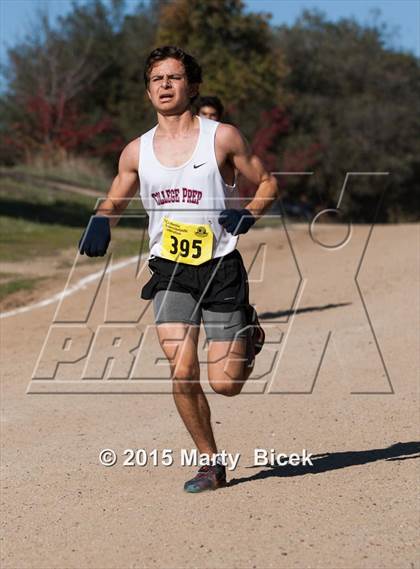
[216, 292]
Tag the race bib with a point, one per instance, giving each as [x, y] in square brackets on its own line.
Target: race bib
[186, 242]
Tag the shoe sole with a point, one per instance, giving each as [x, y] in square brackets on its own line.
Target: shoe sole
[221, 484]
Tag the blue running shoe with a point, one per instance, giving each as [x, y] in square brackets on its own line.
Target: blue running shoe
[207, 478]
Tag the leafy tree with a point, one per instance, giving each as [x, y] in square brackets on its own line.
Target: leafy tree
[136, 40]
[321, 96]
[235, 50]
[47, 76]
[64, 86]
[359, 101]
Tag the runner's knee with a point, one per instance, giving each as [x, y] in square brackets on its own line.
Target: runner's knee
[184, 372]
[227, 388]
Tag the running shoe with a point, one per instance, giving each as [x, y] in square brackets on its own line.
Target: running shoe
[207, 478]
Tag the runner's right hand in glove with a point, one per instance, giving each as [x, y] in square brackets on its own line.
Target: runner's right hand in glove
[96, 237]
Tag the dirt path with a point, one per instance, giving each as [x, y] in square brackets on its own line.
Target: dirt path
[355, 507]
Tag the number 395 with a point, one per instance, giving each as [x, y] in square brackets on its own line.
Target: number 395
[183, 247]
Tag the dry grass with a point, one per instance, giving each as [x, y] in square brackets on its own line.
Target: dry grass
[74, 169]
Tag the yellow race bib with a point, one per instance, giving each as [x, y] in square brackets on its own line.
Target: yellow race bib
[186, 242]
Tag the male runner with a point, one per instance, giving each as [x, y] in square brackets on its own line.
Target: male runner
[197, 272]
[210, 107]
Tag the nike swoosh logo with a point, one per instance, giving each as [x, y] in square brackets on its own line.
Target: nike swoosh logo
[198, 165]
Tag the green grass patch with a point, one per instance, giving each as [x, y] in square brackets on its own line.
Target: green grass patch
[129, 242]
[7, 276]
[16, 285]
[36, 200]
[79, 171]
[38, 192]
[21, 239]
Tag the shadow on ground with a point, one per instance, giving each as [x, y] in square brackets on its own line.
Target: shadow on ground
[280, 313]
[334, 461]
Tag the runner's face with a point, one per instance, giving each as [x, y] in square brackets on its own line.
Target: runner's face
[209, 113]
[169, 90]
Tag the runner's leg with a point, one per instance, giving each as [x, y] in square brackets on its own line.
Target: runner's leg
[227, 366]
[228, 334]
[179, 343]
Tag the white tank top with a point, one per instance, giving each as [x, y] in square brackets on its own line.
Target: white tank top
[192, 193]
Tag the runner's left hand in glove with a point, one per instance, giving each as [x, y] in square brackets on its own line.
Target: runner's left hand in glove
[96, 237]
[237, 221]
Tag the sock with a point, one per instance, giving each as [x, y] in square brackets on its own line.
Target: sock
[219, 460]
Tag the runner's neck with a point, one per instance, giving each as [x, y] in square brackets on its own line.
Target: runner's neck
[177, 126]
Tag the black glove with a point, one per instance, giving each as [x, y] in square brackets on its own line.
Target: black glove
[96, 237]
[237, 221]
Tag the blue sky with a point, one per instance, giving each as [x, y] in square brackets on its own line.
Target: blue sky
[403, 15]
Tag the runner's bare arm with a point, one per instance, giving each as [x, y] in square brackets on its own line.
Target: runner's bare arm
[124, 186]
[235, 148]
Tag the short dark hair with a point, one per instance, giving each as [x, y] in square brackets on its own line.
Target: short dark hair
[191, 66]
[211, 101]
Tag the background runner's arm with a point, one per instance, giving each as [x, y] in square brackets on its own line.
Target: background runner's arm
[237, 150]
[124, 186]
